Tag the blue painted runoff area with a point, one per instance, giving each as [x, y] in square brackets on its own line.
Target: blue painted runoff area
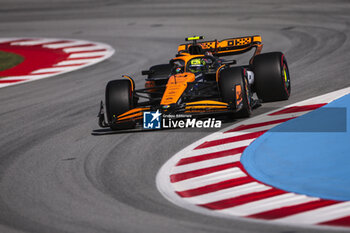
[307, 155]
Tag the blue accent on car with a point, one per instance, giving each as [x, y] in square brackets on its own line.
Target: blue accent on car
[307, 155]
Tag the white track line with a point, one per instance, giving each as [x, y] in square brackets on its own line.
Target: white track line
[24, 77]
[245, 131]
[28, 78]
[319, 215]
[64, 45]
[267, 117]
[201, 152]
[267, 204]
[228, 193]
[84, 48]
[223, 135]
[212, 178]
[91, 54]
[35, 42]
[205, 164]
[55, 69]
[6, 40]
[13, 78]
[4, 85]
[78, 61]
[326, 98]
[220, 148]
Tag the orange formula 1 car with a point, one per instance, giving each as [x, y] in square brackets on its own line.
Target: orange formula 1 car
[199, 82]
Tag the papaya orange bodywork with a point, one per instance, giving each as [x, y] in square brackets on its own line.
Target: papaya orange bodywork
[233, 43]
[176, 85]
[207, 102]
[239, 97]
[205, 106]
[218, 72]
[131, 81]
[136, 112]
[150, 84]
[206, 110]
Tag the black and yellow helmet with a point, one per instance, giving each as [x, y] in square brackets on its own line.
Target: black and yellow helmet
[196, 65]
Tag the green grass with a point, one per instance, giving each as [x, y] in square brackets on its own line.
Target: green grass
[9, 60]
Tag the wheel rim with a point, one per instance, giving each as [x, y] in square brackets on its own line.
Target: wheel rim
[285, 76]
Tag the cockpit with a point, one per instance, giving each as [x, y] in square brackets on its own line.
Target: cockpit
[203, 64]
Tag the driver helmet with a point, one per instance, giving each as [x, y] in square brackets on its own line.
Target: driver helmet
[196, 65]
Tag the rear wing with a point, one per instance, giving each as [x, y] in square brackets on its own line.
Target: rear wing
[225, 47]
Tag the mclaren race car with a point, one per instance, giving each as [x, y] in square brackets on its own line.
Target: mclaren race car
[199, 82]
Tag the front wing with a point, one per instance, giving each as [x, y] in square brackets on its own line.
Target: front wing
[196, 109]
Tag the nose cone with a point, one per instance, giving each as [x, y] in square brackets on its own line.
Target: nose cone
[176, 85]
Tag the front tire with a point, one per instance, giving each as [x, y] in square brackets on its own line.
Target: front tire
[229, 80]
[119, 99]
[272, 80]
[159, 75]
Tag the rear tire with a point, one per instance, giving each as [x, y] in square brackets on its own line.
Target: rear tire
[119, 99]
[272, 80]
[228, 80]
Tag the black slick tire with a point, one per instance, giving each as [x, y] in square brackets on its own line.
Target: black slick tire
[271, 77]
[119, 99]
[229, 79]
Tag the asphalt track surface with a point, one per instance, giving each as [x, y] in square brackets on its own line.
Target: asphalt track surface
[57, 176]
